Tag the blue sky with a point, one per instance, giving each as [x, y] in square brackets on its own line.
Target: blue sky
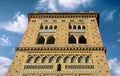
[13, 22]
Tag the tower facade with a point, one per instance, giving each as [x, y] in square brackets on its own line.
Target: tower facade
[61, 44]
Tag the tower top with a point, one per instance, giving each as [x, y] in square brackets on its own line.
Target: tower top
[90, 14]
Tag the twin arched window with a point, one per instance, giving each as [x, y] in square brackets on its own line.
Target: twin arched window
[50, 40]
[81, 40]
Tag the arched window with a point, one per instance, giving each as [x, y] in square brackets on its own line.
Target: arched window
[51, 60]
[66, 59]
[50, 27]
[73, 59]
[70, 27]
[80, 59]
[72, 40]
[44, 59]
[55, 27]
[82, 40]
[83, 27]
[59, 59]
[36, 59]
[74, 27]
[87, 59]
[58, 67]
[41, 40]
[41, 27]
[79, 27]
[50, 40]
[29, 60]
[46, 27]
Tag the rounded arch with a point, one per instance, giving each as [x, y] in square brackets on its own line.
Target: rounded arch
[74, 27]
[41, 27]
[29, 60]
[46, 27]
[80, 59]
[36, 59]
[72, 40]
[79, 27]
[50, 40]
[51, 60]
[41, 40]
[73, 59]
[50, 27]
[82, 40]
[59, 59]
[66, 59]
[55, 27]
[44, 59]
[87, 59]
[83, 27]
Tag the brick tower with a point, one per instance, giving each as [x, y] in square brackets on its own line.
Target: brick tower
[61, 44]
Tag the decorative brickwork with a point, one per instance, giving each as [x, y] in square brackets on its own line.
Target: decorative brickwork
[61, 44]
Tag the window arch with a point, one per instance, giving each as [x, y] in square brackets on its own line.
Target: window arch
[79, 27]
[36, 59]
[72, 40]
[74, 27]
[41, 40]
[82, 40]
[50, 27]
[59, 67]
[46, 27]
[80, 59]
[59, 59]
[29, 60]
[44, 59]
[41, 27]
[51, 60]
[55, 27]
[87, 59]
[83, 27]
[66, 59]
[70, 27]
[50, 40]
[73, 59]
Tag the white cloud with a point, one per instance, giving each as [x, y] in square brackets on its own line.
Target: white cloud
[4, 64]
[18, 24]
[109, 15]
[62, 5]
[114, 65]
[4, 40]
[73, 4]
[118, 40]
